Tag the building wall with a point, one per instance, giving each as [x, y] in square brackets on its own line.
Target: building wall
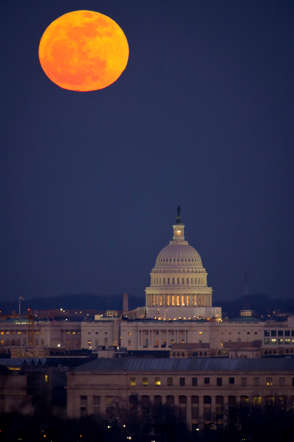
[13, 394]
[276, 337]
[104, 332]
[39, 334]
[201, 398]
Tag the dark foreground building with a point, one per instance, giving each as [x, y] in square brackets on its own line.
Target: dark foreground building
[203, 391]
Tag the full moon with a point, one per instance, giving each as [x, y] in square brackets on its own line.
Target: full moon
[83, 51]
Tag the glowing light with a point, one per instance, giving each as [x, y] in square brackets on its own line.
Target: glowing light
[83, 51]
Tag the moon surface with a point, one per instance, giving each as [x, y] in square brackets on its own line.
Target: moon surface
[83, 51]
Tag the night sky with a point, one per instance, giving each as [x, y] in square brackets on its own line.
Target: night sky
[201, 117]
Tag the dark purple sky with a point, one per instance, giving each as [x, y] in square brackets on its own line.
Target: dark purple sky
[202, 117]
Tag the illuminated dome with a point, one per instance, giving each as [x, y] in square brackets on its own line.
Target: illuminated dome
[178, 255]
[178, 281]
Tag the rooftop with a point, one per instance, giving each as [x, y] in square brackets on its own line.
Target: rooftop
[182, 365]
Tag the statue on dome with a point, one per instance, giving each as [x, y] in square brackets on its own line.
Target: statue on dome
[179, 218]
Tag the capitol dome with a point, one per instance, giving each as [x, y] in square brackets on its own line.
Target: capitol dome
[178, 281]
[178, 255]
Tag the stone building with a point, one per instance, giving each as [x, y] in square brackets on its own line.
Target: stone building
[21, 335]
[203, 390]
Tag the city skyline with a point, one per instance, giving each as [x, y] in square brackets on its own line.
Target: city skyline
[200, 118]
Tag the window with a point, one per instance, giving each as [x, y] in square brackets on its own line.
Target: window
[83, 411]
[282, 381]
[206, 381]
[182, 382]
[244, 401]
[219, 407]
[273, 333]
[195, 382]
[243, 382]
[133, 382]
[157, 382]
[96, 404]
[157, 401]
[231, 381]
[287, 332]
[268, 382]
[133, 401]
[257, 401]
[83, 405]
[83, 400]
[182, 400]
[280, 332]
[170, 401]
[145, 381]
[219, 382]
[169, 382]
[194, 407]
[256, 381]
[207, 400]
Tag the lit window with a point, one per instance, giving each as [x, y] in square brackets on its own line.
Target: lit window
[133, 382]
[257, 400]
[145, 381]
[268, 382]
[46, 377]
[157, 382]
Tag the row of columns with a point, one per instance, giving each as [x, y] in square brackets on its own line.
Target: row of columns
[150, 338]
[178, 300]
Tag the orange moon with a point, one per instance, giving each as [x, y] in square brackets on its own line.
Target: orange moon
[83, 51]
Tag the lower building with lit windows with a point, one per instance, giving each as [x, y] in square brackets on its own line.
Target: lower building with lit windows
[203, 391]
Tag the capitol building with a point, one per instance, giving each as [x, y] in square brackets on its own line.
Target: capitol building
[178, 282]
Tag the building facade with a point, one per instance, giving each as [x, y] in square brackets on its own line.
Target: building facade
[203, 391]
